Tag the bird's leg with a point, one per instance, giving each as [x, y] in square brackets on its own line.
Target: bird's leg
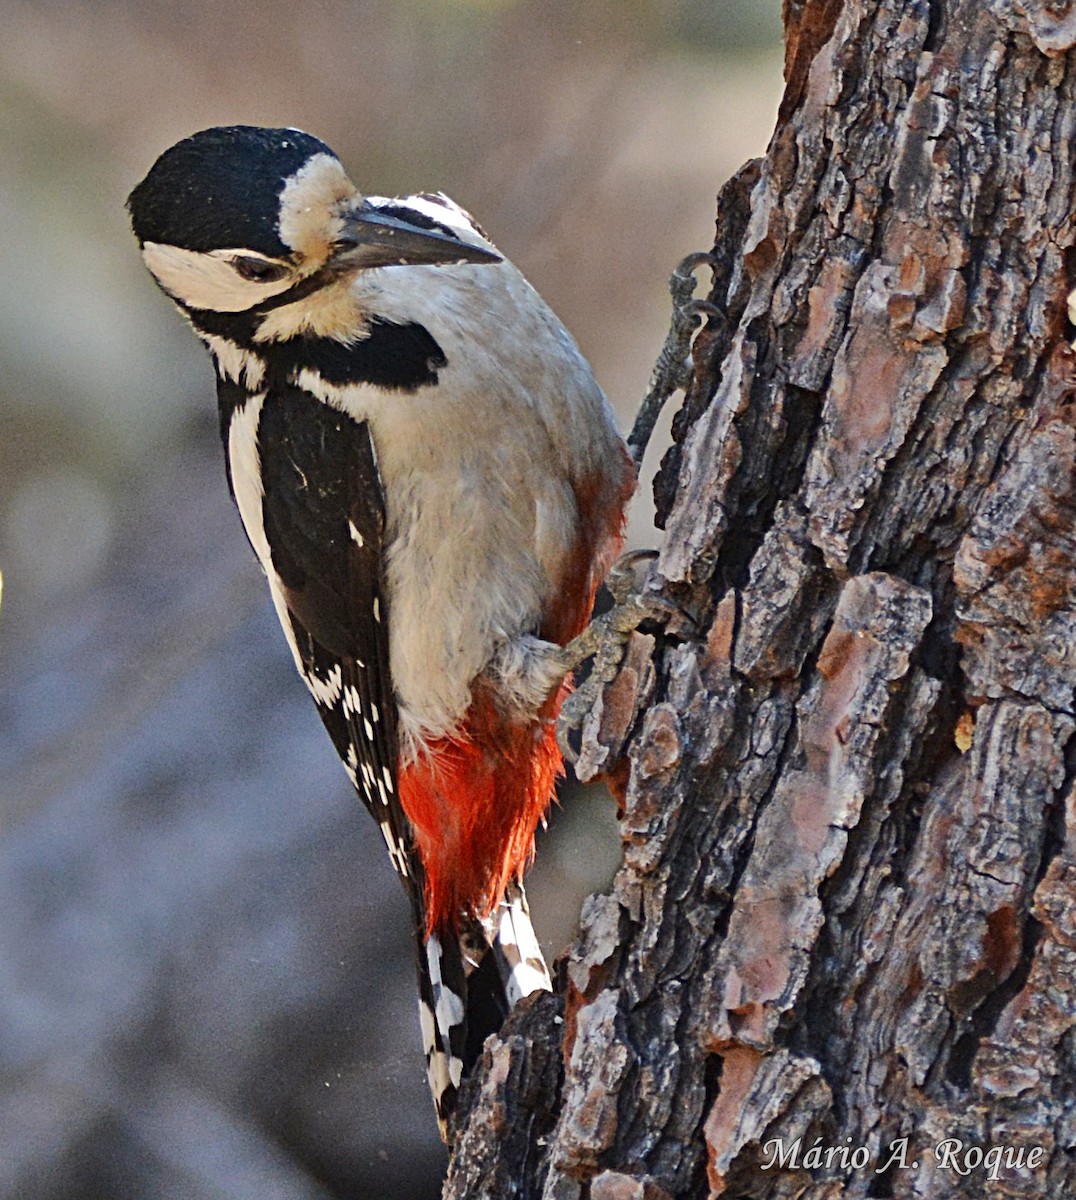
[631, 607]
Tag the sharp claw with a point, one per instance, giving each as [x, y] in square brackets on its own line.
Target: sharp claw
[687, 266]
[572, 715]
[673, 369]
[624, 578]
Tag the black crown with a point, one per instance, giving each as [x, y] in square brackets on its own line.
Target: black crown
[221, 188]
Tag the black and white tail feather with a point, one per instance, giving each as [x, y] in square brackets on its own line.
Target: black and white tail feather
[469, 980]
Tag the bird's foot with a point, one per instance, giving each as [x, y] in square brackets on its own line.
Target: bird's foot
[605, 640]
[673, 369]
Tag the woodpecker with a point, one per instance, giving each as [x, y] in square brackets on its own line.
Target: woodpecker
[434, 486]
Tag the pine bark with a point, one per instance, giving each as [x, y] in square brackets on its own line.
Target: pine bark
[847, 907]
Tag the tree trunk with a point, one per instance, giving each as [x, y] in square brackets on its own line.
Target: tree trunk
[844, 930]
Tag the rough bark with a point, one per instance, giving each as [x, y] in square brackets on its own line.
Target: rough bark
[846, 911]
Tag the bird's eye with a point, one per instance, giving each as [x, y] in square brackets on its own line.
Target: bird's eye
[257, 270]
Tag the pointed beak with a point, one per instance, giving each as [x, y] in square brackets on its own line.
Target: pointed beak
[371, 238]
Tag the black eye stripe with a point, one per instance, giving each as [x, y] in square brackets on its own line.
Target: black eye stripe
[257, 270]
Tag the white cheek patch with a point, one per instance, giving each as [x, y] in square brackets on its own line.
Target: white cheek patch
[206, 279]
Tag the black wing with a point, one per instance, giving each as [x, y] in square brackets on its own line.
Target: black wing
[324, 516]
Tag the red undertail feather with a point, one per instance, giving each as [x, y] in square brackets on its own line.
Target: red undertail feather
[474, 802]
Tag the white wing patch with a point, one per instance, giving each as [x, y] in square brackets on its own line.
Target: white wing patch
[245, 465]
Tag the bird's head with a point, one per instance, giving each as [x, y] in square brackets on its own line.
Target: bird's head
[244, 218]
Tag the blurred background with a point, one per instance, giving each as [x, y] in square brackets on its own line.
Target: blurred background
[205, 975]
